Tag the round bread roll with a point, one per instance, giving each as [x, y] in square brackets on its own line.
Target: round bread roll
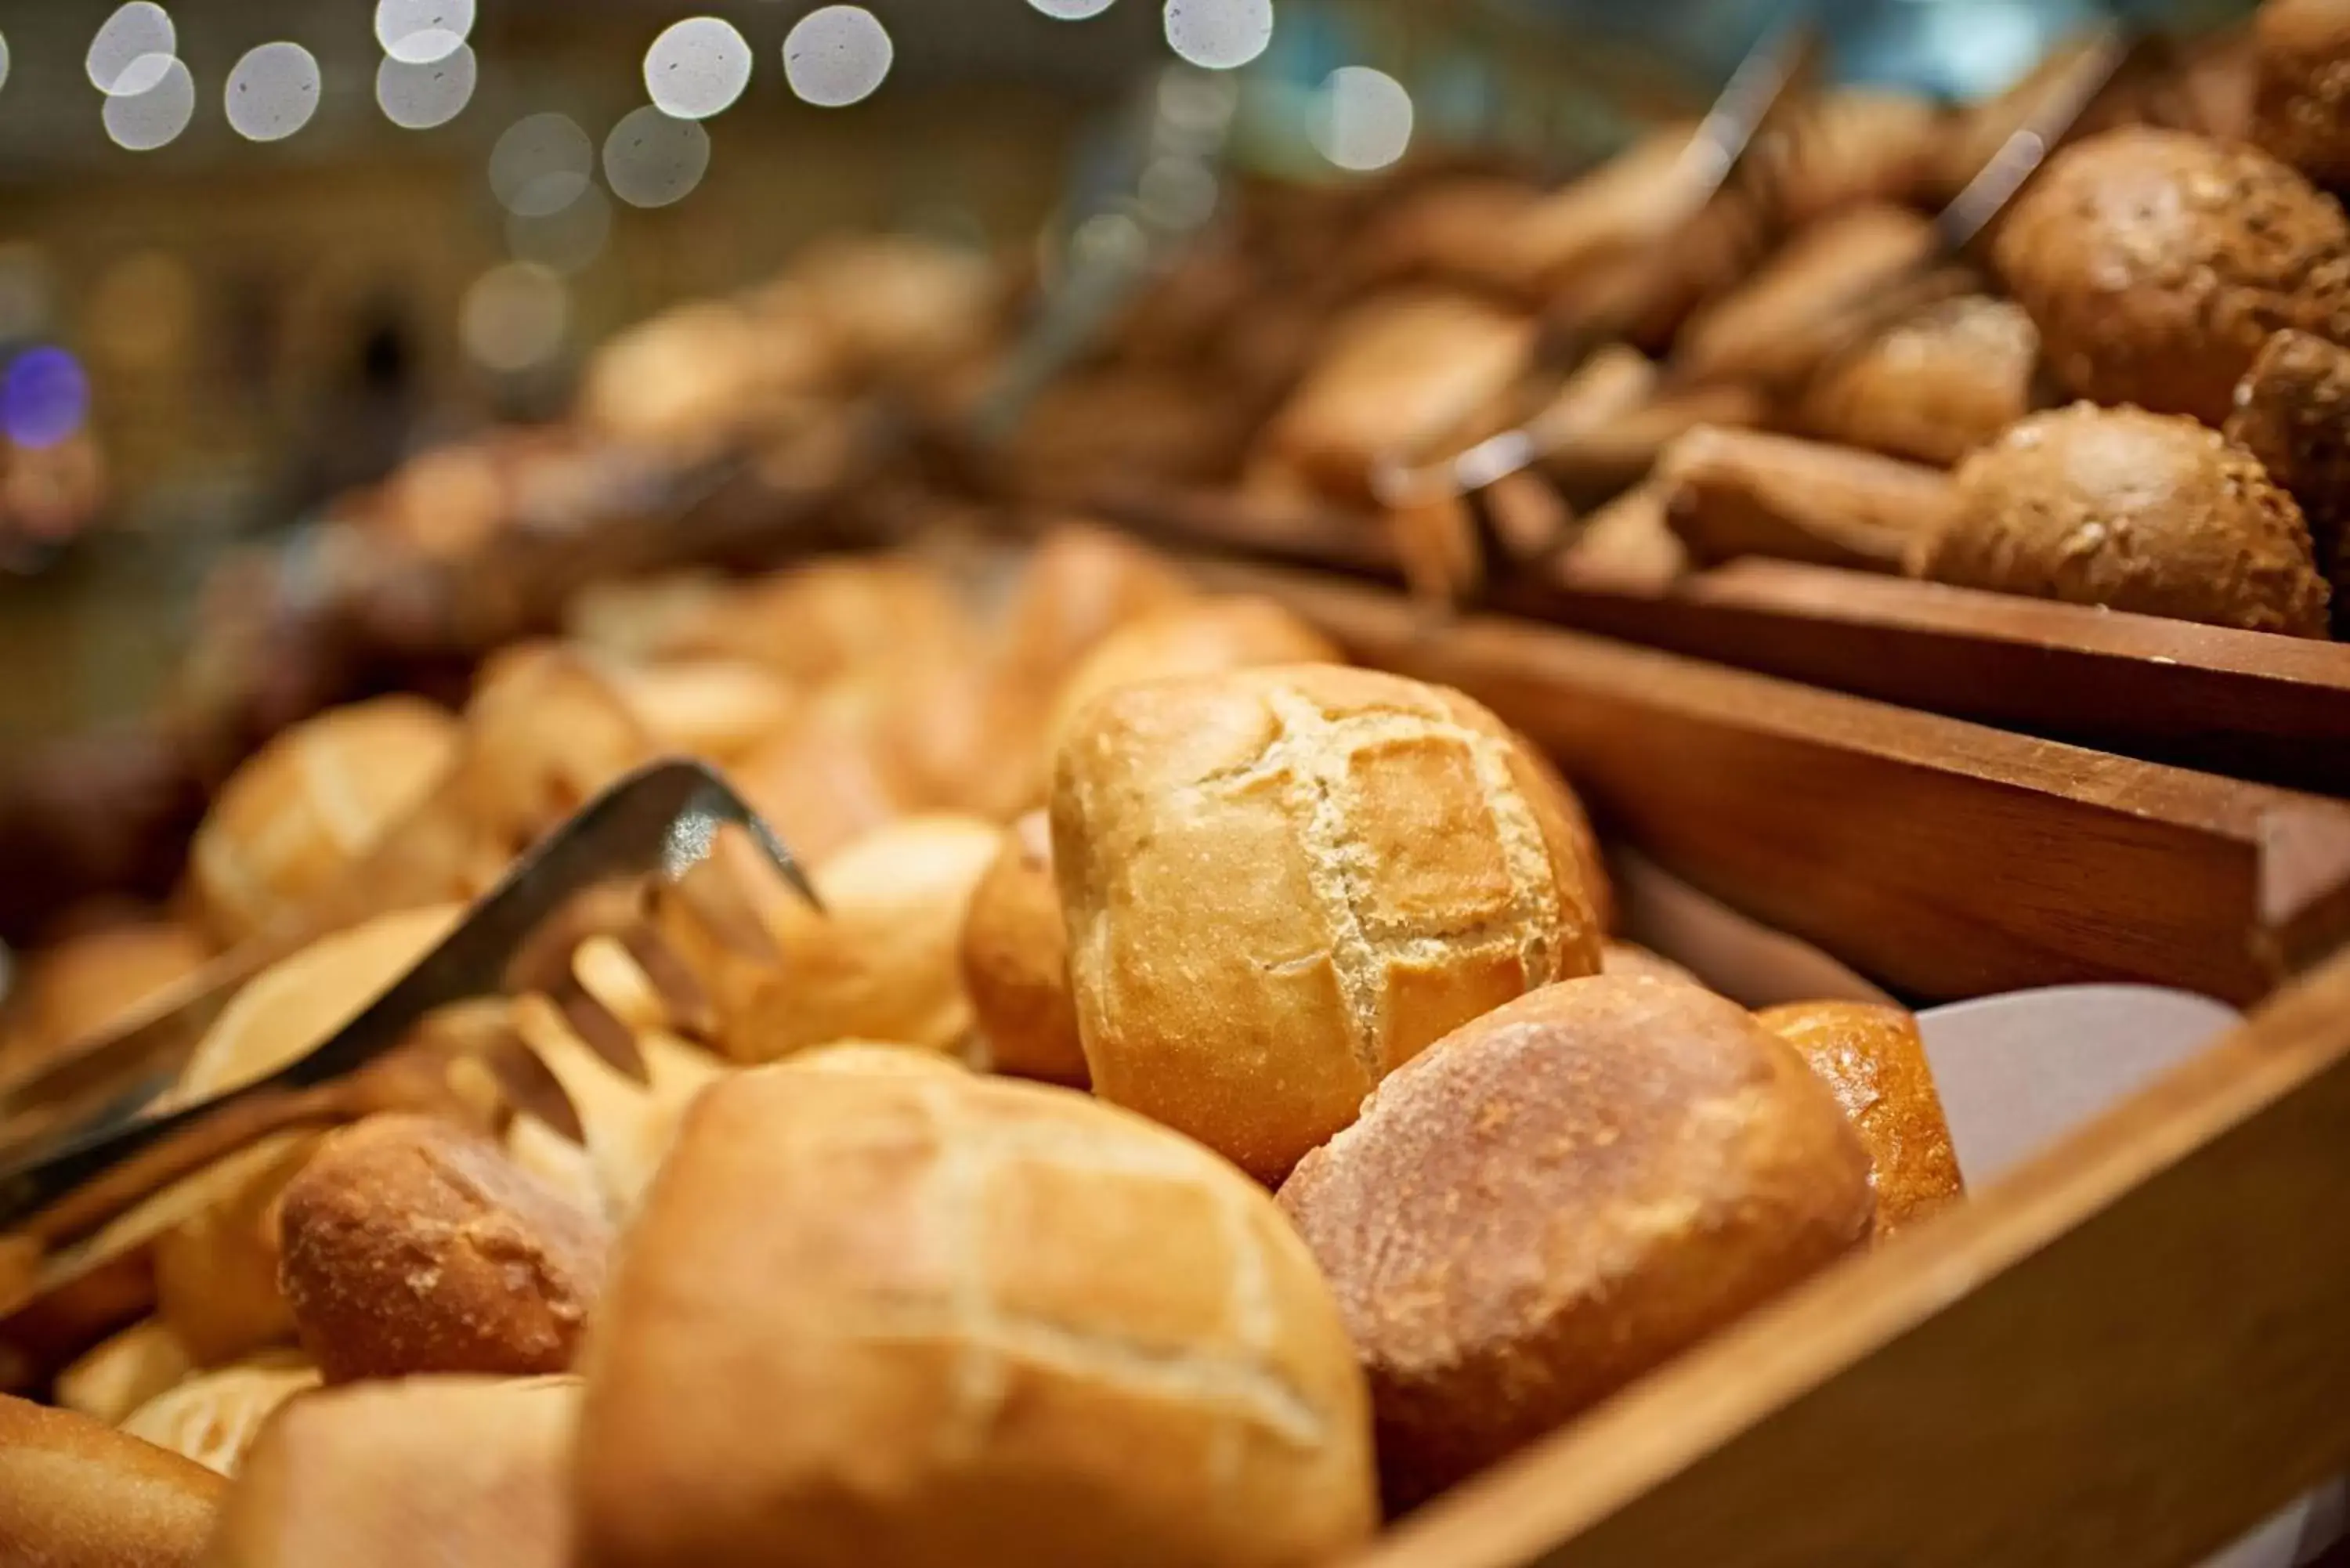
[831, 617]
[76, 1493]
[1015, 963]
[2155, 263]
[462, 1472]
[1080, 584]
[2292, 414]
[1561, 1196]
[75, 988]
[2301, 106]
[123, 1372]
[309, 803]
[2134, 510]
[830, 775]
[1281, 884]
[1203, 638]
[872, 1056]
[1629, 959]
[884, 1319]
[712, 708]
[213, 1417]
[1872, 1057]
[414, 1246]
[1933, 387]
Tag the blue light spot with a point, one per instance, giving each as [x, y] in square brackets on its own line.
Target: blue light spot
[44, 398]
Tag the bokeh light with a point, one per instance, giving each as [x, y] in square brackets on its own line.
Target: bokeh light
[272, 92]
[1071, 10]
[44, 398]
[421, 32]
[1219, 34]
[569, 241]
[145, 121]
[697, 68]
[132, 33]
[4, 59]
[541, 165]
[514, 316]
[651, 159]
[1364, 118]
[837, 55]
[420, 97]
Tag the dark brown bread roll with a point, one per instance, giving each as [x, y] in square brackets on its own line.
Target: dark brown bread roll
[76, 1493]
[2293, 413]
[2301, 106]
[1560, 1196]
[1872, 1057]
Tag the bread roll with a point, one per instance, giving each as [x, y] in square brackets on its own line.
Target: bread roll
[1775, 327]
[1630, 961]
[883, 1319]
[413, 1246]
[213, 1417]
[2293, 413]
[1871, 1056]
[1015, 963]
[123, 1372]
[309, 803]
[1229, 633]
[2301, 106]
[1281, 884]
[72, 989]
[830, 775]
[817, 622]
[1559, 1197]
[216, 1271]
[1080, 584]
[76, 1493]
[711, 708]
[459, 1472]
[2156, 262]
[1933, 387]
[2134, 510]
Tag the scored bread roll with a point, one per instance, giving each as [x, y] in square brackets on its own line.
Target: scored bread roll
[76, 1493]
[1080, 584]
[1559, 1197]
[1015, 963]
[461, 1472]
[414, 1246]
[309, 803]
[213, 1417]
[124, 1371]
[918, 1316]
[1872, 1057]
[1281, 884]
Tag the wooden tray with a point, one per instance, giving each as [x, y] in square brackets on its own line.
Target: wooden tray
[2249, 704]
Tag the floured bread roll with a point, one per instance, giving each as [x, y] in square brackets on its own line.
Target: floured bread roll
[76, 1493]
[309, 803]
[1281, 884]
[213, 1417]
[881, 1319]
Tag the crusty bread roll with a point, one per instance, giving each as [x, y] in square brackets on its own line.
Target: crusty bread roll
[1080, 584]
[881, 962]
[1281, 884]
[1234, 632]
[76, 1493]
[309, 803]
[1559, 1197]
[2293, 413]
[1015, 963]
[124, 1371]
[414, 1246]
[1872, 1057]
[906, 1317]
[1775, 325]
[462, 1472]
[713, 708]
[872, 1056]
[213, 1417]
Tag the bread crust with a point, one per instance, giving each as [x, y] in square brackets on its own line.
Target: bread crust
[1873, 1059]
[1015, 963]
[76, 1493]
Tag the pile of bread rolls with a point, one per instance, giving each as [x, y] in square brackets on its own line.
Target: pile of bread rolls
[1209, 1116]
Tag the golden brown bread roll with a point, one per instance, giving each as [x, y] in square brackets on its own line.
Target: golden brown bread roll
[76, 1493]
[2156, 262]
[1620, 207]
[213, 1417]
[922, 1317]
[1733, 493]
[1559, 1197]
[1933, 387]
[2301, 106]
[1232, 632]
[1281, 884]
[216, 1271]
[124, 1371]
[411, 1245]
[712, 708]
[1775, 327]
[309, 803]
[1015, 963]
[73, 988]
[1081, 584]
[832, 775]
[1850, 145]
[2293, 413]
[2135, 511]
[1631, 960]
[462, 1473]
[830, 617]
[1871, 1056]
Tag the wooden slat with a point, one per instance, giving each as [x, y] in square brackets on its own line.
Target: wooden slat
[1943, 858]
[2128, 1353]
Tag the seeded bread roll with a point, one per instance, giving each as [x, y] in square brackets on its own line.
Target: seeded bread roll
[2301, 106]
[2134, 510]
[413, 1246]
[2156, 262]
[76, 1493]
[1873, 1059]
[1015, 963]
[2293, 413]
[1281, 884]
[214, 1417]
[459, 1472]
[918, 1317]
[1559, 1197]
[1235, 632]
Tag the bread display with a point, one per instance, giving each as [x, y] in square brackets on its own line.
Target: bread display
[1015, 963]
[1232, 633]
[2301, 111]
[469, 1472]
[412, 1246]
[75, 1493]
[213, 1417]
[1560, 1196]
[1872, 1057]
[1281, 883]
[2134, 510]
[912, 1317]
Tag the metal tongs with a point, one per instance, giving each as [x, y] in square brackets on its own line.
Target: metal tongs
[657, 825]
